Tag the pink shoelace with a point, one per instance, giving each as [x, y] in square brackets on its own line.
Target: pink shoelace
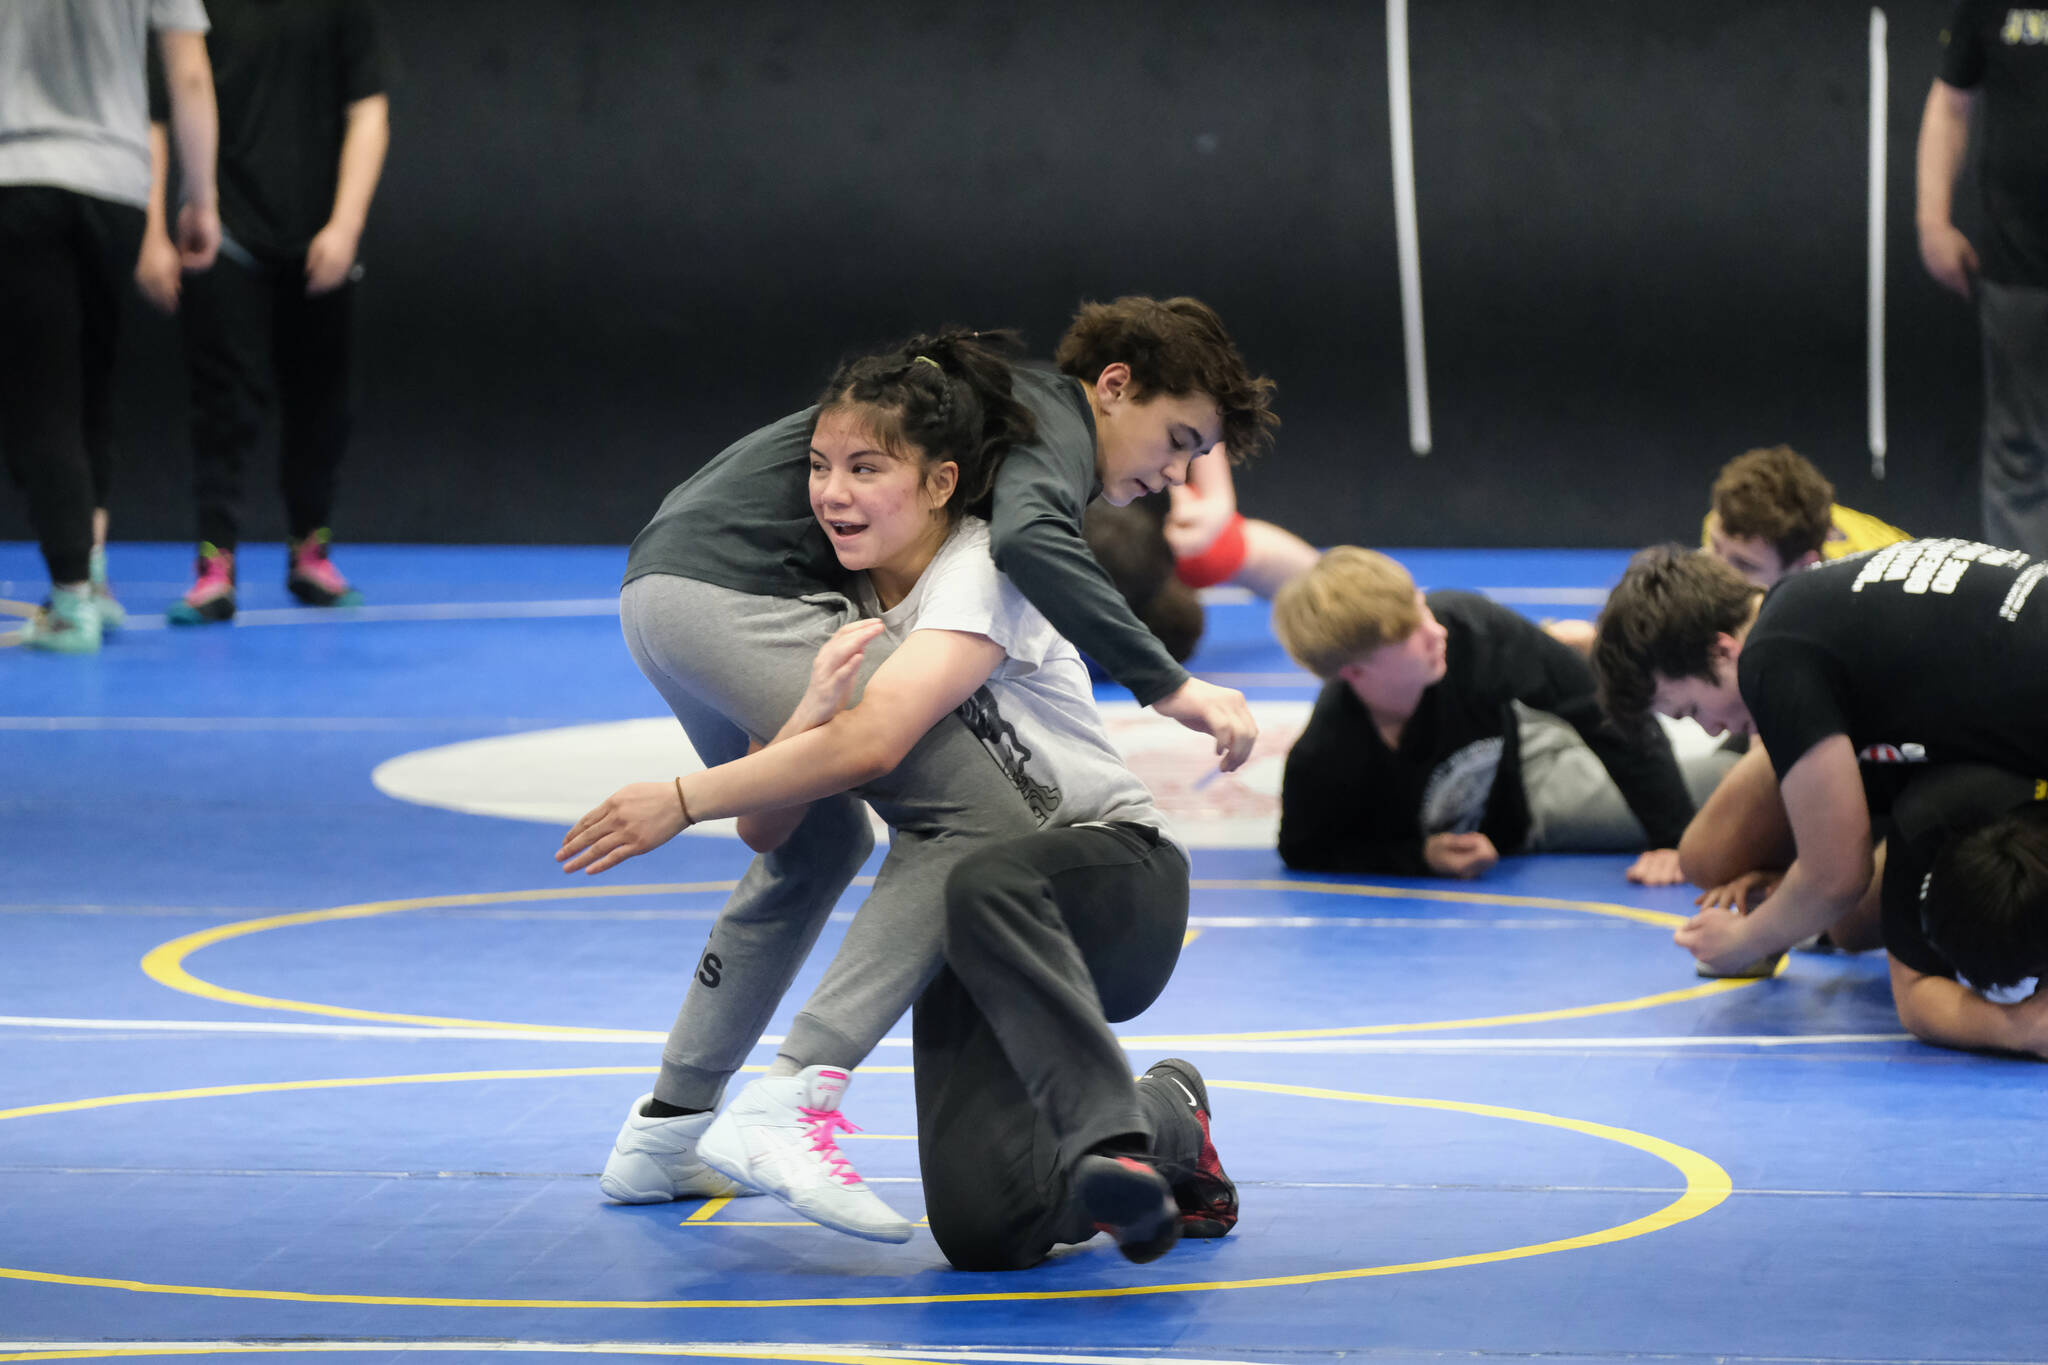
[823, 1123]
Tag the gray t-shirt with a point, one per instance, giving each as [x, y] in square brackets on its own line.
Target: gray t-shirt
[1036, 714]
[74, 92]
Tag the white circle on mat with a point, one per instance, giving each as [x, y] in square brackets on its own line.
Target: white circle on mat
[554, 776]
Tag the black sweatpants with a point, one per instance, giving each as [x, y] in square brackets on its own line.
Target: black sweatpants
[251, 333]
[64, 260]
[1049, 939]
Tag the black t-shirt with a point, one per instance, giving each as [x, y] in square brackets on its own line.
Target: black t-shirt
[2001, 53]
[1936, 808]
[1928, 651]
[1348, 803]
[284, 75]
[744, 522]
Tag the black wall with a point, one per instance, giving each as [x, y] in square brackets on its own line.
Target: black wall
[614, 235]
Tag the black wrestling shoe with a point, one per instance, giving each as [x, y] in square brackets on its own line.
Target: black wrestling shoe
[1131, 1202]
[1207, 1198]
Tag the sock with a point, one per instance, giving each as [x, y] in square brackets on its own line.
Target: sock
[662, 1109]
[784, 1066]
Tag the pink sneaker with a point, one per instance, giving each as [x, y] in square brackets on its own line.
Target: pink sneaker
[212, 598]
[313, 579]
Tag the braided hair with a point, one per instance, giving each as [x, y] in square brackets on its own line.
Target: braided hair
[944, 396]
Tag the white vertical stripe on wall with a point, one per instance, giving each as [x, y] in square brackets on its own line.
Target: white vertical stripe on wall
[1880, 100]
[1405, 231]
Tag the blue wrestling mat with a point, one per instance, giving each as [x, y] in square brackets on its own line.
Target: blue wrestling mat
[307, 1048]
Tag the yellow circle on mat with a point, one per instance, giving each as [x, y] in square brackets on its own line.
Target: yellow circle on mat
[165, 963]
[1706, 1185]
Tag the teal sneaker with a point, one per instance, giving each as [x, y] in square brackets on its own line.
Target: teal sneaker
[112, 615]
[67, 624]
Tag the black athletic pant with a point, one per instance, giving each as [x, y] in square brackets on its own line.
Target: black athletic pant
[65, 259]
[250, 331]
[1049, 939]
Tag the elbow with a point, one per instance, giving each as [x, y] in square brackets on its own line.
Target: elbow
[1843, 886]
[869, 757]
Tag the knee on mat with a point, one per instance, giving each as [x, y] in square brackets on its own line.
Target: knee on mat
[971, 1243]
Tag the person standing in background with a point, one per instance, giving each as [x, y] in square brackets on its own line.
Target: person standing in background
[1993, 88]
[75, 172]
[304, 127]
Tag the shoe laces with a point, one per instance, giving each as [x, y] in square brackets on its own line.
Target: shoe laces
[823, 1123]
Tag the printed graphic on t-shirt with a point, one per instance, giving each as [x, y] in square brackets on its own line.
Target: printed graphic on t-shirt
[1454, 802]
[1892, 753]
[1937, 566]
[2024, 26]
[1000, 738]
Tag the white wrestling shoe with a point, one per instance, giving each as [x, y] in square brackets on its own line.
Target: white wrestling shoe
[656, 1160]
[777, 1136]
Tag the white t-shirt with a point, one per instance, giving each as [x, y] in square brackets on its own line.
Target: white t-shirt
[1036, 714]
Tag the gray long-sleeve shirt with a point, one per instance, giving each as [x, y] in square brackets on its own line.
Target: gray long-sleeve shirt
[744, 522]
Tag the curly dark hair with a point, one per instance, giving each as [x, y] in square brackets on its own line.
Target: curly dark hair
[1777, 495]
[1174, 347]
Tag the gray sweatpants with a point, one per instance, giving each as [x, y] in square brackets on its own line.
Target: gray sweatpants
[1574, 806]
[732, 667]
[2013, 321]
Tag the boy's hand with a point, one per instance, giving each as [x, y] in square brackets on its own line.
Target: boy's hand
[1745, 893]
[158, 272]
[1657, 867]
[1463, 856]
[1217, 711]
[329, 258]
[1719, 939]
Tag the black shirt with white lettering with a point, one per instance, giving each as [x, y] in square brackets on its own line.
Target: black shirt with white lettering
[1348, 803]
[1928, 651]
[2000, 53]
[1938, 807]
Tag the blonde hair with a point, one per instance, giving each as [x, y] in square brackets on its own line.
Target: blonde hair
[1349, 604]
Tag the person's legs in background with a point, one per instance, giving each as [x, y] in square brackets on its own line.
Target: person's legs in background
[314, 343]
[225, 317]
[114, 232]
[2013, 321]
[47, 266]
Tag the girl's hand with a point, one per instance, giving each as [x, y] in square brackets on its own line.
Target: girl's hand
[631, 821]
[833, 674]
